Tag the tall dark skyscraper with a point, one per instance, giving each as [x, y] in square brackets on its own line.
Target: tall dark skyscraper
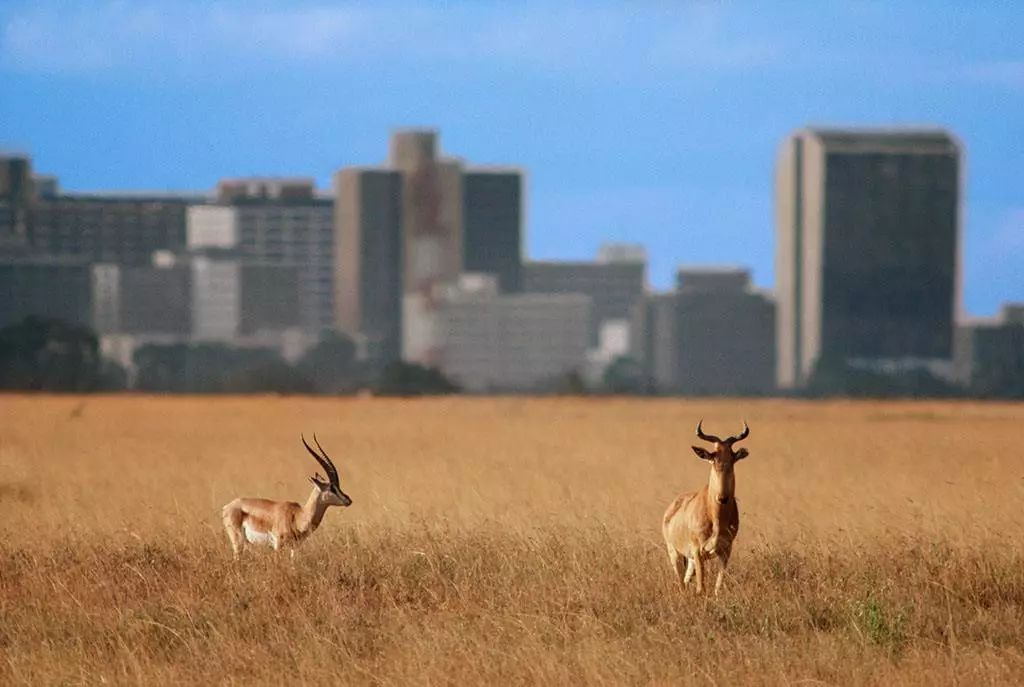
[368, 278]
[493, 218]
[867, 252]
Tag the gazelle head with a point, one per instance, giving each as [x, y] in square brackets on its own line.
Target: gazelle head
[330, 489]
[722, 458]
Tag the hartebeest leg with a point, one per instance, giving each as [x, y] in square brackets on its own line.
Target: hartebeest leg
[689, 571]
[698, 568]
[723, 561]
[676, 559]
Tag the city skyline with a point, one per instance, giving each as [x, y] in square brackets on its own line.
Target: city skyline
[666, 135]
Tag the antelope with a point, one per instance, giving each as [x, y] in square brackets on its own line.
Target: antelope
[284, 523]
[704, 523]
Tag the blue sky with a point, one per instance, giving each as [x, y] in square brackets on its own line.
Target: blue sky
[649, 122]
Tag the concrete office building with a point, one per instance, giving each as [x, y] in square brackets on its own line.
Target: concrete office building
[510, 342]
[432, 236]
[233, 297]
[368, 276]
[153, 300]
[714, 335]
[16, 201]
[449, 218]
[655, 339]
[867, 252]
[45, 287]
[121, 228]
[212, 295]
[990, 352]
[277, 221]
[614, 285]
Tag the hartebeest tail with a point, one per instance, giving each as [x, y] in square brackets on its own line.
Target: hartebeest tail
[285, 523]
[704, 523]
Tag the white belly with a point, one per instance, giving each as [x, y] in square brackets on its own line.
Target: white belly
[254, 536]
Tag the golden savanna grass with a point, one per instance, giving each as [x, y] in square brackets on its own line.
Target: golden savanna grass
[509, 541]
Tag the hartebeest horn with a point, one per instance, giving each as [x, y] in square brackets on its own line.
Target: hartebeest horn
[706, 437]
[741, 436]
[323, 459]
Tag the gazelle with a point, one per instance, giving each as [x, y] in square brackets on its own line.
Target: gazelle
[284, 523]
[701, 524]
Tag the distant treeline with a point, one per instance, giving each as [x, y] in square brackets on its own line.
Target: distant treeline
[39, 354]
[49, 355]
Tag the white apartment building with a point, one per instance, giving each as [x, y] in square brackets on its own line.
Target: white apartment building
[510, 342]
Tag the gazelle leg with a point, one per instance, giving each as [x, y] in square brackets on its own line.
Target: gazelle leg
[233, 527]
[690, 567]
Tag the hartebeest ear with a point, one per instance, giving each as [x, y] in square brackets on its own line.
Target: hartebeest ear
[741, 454]
[702, 454]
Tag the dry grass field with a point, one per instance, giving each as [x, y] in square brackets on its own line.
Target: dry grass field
[509, 541]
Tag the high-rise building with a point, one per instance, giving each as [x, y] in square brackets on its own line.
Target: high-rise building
[16, 200]
[493, 220]
[510, 342]
[276, 221]
[867, 252]
[613, 286]
[432, 236]
[449, 218]
[368, 276]
[714, 335]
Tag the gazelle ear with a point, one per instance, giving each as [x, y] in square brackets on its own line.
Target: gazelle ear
[701, 453]
[319, 483]
[741, 454]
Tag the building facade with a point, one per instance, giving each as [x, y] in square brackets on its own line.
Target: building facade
[124, 229]
[368, 269]
[16, 202]
[715, 335]
[614, 287]
[276, 221]
[867, 251]
[990, 353]
[493, 220]
[448, 218]
[45, 287]
[510, 342]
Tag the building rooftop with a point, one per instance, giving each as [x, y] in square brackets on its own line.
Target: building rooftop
[884, 135]
[133, 196]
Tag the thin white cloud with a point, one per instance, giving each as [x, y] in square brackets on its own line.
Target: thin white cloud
[119, 35]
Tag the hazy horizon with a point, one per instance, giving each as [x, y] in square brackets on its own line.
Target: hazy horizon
[656, 124]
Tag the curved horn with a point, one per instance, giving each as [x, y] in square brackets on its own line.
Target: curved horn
[324, 461]
[332, 472]
[741, 436]
[706, 437]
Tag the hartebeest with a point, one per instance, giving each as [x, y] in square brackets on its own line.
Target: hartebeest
[701, 524]
[285, 523]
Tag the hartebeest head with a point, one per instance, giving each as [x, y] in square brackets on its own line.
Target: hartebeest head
[330, 488]
[722, 458]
